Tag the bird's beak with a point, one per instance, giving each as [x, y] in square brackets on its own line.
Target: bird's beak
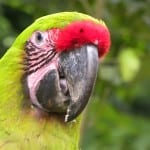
[80, 68]
[67, 88]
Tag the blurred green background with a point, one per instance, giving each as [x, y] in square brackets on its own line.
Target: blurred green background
[118, 116]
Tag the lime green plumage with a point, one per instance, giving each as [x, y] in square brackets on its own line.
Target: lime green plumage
[18, 127]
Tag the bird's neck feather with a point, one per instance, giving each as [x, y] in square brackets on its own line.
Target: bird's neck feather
[22, 126]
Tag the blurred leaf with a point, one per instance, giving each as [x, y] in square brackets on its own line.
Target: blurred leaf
[129, 64]
[110, 73]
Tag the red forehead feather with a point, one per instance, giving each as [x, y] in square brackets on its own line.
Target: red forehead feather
[84, 32]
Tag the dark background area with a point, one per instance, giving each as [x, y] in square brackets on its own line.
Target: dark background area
[118, 116]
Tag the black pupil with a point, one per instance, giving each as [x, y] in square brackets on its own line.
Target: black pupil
[39, 37]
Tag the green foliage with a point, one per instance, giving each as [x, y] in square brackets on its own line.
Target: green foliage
[118, 115]
[129, 64]
[108, 128]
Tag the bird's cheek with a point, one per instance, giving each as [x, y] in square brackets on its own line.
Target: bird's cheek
[65, 85]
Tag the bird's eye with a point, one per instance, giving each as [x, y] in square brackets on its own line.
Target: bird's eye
[39, 37]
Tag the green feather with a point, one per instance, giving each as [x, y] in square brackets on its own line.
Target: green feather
[18, 127]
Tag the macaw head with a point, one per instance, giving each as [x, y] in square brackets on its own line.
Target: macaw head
[61, 57]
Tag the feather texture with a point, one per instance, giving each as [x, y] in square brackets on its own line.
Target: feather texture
[20, 125]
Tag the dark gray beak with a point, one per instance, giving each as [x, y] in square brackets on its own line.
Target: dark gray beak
[67, 89]
[80, 68]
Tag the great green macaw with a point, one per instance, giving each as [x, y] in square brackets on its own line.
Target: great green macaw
[46, 79]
